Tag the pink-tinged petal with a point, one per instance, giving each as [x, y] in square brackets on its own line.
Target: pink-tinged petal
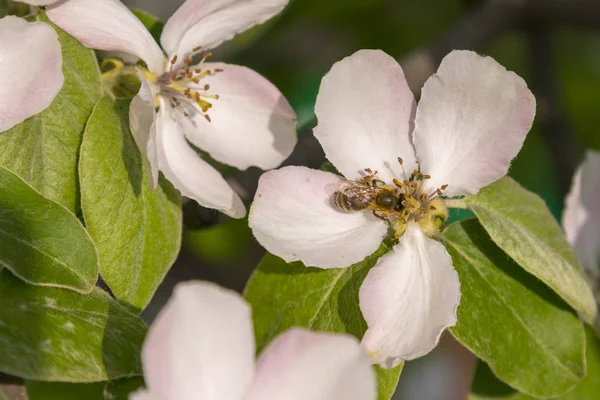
[300, 365]
[143, 129]
[201, 345]
[184, 168]
[27, 86]
[581, 218]
[293, 216]
[107, 25]
[252, 124]
[471, 122]
[365, 108]
[408, 299]
[208, 23]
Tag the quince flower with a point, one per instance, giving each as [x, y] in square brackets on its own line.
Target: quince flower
[470, 123]
[228, 111]
[201, 346]
[581, 217]
[27, 87]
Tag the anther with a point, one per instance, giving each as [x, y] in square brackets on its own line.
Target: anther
[400, 160]
[426, 176]
[439, 192]
[206, 87]
[415, 173]
[196, 81]
[198, 70]
[207, 117]
[444, 187]
[219, 70]
[174, 59]
[423, 197]
[432, 208]
[196, 49]
[369, 171]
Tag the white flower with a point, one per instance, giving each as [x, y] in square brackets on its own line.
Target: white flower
[581, 217]
[201, 346]
[471, 121]
[31, 63]
[229, 111]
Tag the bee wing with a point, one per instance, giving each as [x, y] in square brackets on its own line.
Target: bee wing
[345, 185]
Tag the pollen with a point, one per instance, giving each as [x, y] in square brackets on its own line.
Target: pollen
[183, 84]
[414, 204]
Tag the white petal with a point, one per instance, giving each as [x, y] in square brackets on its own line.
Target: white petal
[581, 218]
[143, 129]
[208, 23]
[107, 25]
[471, 122]
[201, 345]
[184, 168]
[252, 124]
[365, 108]
[293, 217]
[408, 299]
[300, 365]
[27, 86]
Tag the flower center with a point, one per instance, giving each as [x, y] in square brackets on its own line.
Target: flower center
[398, 203]
[181, 85]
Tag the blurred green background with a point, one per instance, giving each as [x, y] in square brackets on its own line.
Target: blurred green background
[557, 53]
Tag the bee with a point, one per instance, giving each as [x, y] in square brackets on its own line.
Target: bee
[368, 194]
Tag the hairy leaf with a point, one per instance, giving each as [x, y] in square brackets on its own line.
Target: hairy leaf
[43, 150]
[137, 230]
[520, 223]
[53, 334]
[487, 387]
[286, 295]
[41, 241]
[526, 333]
[112, 390]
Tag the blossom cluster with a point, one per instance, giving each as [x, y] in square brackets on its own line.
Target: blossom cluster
[401, 164]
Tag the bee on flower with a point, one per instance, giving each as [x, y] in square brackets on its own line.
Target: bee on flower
[407, 160]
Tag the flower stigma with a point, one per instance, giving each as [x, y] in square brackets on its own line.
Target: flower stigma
[181, 85]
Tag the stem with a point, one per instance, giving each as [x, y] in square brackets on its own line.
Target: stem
[455, 203]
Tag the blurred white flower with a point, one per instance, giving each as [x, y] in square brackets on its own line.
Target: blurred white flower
[471, 121]
[201, 346]
[229, 111]
[31, 63]
[581, 217]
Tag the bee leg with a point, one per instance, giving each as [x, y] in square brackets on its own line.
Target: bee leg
[381, 216]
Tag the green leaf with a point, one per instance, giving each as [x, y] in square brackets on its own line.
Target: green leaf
[487, 387]
[520, 223]
[52, 334]
[112, 390]
[526, 333]
[286, 295]
[152, 23]
[137, 230]
[43, 150]
[41, 241]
